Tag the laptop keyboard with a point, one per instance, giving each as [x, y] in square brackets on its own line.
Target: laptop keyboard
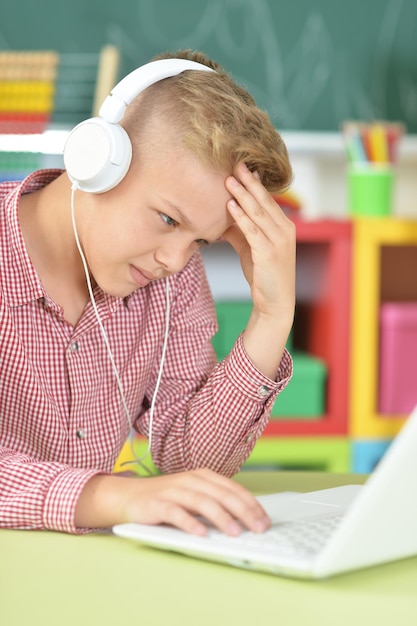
[302, 538]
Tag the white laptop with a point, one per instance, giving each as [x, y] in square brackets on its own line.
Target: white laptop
[322, 533]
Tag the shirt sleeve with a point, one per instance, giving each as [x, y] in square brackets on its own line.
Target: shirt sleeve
[38, 495]
[207, 414]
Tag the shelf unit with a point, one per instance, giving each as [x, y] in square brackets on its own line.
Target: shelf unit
[322, 321]
[384, 269]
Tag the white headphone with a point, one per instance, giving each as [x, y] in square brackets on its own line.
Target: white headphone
[98, 151]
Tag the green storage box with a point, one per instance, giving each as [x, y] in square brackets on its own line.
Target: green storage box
[304, 397]
[232, 317]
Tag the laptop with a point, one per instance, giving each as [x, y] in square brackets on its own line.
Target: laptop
[318, 534]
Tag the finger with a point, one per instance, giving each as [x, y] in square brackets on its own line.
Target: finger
[177, 515]
[251, 182]
[235, 238]
[181, 506]
[260, 229]
[235, 500]
[225, 504]
[254, 230]
[213, 512]
[252, 196]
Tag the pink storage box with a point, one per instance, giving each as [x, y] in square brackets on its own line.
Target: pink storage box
[398, 357]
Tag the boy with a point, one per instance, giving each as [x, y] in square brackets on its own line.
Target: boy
[203, 157]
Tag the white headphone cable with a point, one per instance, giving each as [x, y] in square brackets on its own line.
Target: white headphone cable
[138, 460]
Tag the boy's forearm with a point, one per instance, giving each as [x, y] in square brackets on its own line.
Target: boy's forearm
[101, 502]
[264, 341]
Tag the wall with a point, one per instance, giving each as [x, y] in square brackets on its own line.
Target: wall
[310, 63]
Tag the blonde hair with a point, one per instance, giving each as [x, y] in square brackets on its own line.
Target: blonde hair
[216, 119]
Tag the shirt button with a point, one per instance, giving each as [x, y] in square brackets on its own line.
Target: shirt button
[263, 391]
[250, 438]
[74, 346]
[81, 433]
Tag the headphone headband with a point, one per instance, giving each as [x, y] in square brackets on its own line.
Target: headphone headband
[114, 106]
[98, 151]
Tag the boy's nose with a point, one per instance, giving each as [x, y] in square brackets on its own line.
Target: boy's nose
[174, 258]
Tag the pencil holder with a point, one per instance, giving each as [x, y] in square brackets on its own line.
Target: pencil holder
[370, 190]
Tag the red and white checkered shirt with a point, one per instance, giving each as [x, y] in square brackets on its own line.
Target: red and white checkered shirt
[61, 415]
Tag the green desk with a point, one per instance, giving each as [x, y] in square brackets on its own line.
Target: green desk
[98, 580]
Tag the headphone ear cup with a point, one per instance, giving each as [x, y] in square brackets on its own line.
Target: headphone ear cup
[97, 155]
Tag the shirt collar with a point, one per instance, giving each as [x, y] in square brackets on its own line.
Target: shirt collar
[20, 281]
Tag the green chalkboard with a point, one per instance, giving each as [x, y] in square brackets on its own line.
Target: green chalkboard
[310, 63]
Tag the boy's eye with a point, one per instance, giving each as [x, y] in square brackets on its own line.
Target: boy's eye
[168, 220]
